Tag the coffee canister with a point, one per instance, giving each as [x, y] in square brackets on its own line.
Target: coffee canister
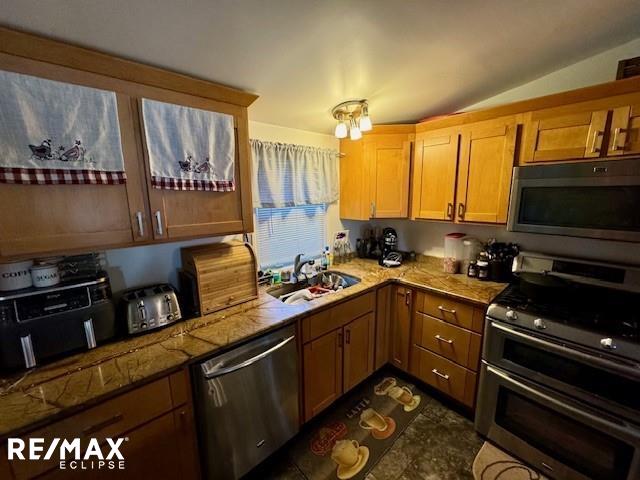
[45, 275]
[15, 275]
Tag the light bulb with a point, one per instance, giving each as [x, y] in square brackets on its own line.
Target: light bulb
[355, 132]
[341, 130]
[365, 124]
[365, 120]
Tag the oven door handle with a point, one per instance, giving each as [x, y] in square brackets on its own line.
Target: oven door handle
[623, 430]
[570, 353]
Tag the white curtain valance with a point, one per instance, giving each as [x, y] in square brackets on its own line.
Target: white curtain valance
[286, 175]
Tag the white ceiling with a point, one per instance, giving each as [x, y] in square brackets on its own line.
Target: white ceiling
[410, 58]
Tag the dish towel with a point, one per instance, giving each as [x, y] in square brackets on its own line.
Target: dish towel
[189, 148]
[53, 132]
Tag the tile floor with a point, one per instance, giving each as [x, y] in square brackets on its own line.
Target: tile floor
[439, 444]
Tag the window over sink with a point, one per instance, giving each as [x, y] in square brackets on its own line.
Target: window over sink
[282, 233]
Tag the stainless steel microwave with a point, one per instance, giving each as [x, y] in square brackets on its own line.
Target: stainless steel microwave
[586, 199]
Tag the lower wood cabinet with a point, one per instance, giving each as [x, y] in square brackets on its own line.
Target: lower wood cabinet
[358, 350]
[157, 419]
[402, 302]
[322, 359]
[446, 340]
[445, 375]
[336, 361]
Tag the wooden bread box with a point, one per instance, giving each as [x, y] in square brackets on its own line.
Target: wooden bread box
[225, 273]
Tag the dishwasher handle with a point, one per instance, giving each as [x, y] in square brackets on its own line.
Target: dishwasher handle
[219, 371]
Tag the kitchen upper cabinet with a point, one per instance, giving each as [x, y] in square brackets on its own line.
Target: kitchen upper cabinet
[401, 315]
[42, 219]
[358, 350]
[487, 154]
[178, 214]
[46, 219]
[374, 173]
[322, 359]
[574, 132]
[390, 163]
[434, 175]
[624, 135]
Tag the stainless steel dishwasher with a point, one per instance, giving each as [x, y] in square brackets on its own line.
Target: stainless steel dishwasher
[247, 403]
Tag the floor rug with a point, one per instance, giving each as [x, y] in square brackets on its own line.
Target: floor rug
[349, 440]
[491, 463]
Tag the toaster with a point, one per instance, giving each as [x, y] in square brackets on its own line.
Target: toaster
[149, 308]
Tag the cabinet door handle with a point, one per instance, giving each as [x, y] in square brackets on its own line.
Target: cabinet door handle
[372, 213]
[158, 222]
[348, 337]
[442, 339]
[101, 425]
[596, 134]
[441, 375]
[449, 210]
[407, 298]
[461, 210]
[616, 133]
[446, 310]
[140, 224]
[340, 340]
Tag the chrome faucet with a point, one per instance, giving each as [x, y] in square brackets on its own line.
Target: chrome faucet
[298, 264]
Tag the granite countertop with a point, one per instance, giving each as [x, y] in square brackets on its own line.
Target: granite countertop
[31, 399]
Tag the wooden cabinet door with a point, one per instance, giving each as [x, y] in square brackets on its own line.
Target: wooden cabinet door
[358, 350]
[390, 159]
[355, 201]
[180, 214]
[322, 359]
[401, 313]
[559, 134]
[487, 155]
[624, 137]
[151, 451]
[40, 219]
[434, 175]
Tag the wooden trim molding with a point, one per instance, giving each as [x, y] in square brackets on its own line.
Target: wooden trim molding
[594, 92]
[35, 47]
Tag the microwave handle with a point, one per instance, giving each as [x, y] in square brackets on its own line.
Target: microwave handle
[623, 430]
[569, 352]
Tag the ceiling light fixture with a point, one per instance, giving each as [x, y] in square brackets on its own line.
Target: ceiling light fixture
[353, 119]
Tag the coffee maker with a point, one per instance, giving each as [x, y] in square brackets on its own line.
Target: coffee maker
[390, 256]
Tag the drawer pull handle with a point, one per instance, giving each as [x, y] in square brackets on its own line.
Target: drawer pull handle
[441, 375]
[104, 424]
[442, 309]
[445, 340]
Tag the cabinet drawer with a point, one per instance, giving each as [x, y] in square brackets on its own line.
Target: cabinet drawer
[452, 311]
[107, 420]
[323, 322]
[454, 380]
[449, 341]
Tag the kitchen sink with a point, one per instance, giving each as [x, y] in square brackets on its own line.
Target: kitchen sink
[322, 284]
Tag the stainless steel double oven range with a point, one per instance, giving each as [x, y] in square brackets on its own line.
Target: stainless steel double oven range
[560, 373]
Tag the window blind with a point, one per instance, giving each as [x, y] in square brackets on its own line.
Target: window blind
[282, 233]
